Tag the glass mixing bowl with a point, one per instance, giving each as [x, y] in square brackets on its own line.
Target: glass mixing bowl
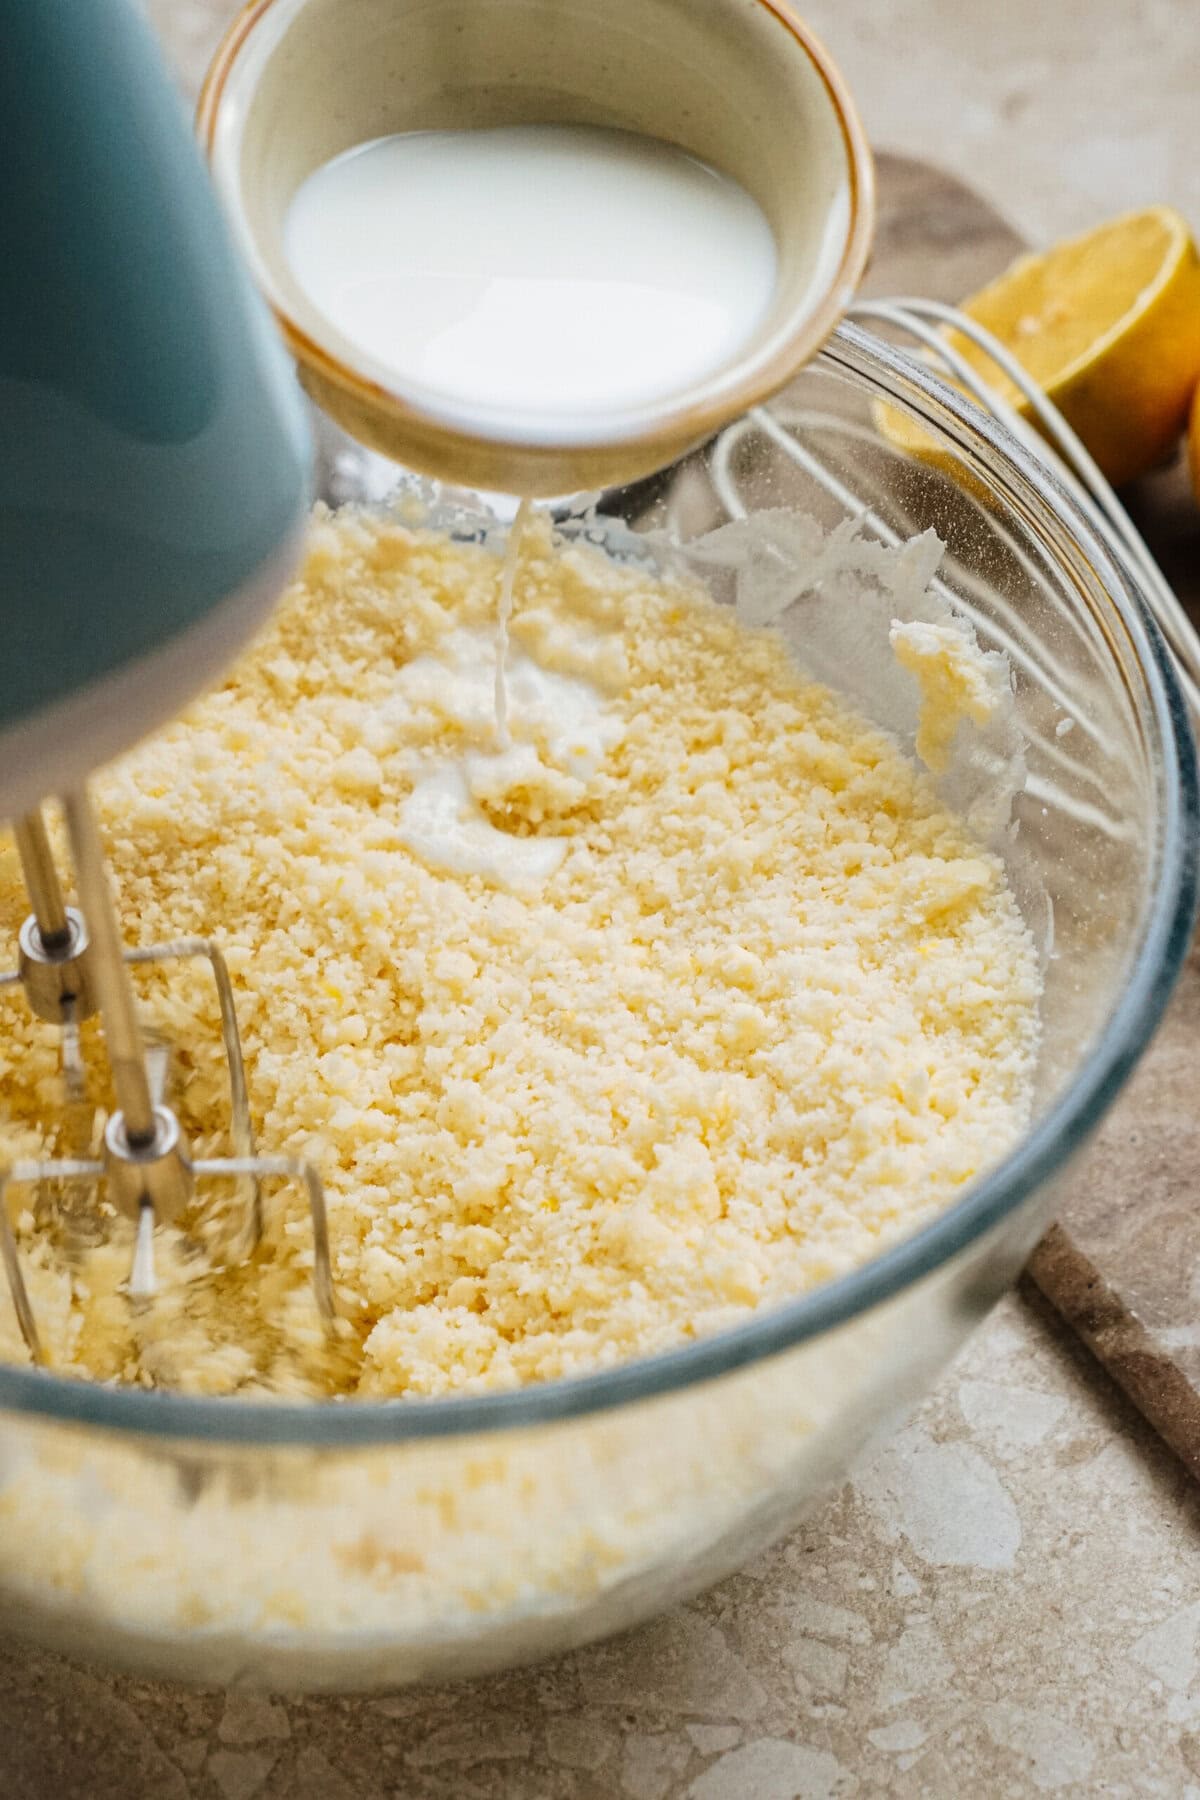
[353, 1545]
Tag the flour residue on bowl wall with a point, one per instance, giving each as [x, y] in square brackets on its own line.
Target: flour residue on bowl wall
[873, 621]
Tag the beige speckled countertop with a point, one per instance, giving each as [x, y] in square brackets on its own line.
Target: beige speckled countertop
[1006, 1602]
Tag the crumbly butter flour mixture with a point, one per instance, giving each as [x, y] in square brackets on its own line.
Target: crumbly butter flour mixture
[688, 998]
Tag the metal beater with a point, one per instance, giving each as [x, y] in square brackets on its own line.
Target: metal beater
[68, 973]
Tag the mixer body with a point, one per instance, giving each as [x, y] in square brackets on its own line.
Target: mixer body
[153, 450]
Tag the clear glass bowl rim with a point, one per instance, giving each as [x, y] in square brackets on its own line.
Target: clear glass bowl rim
[894, 376]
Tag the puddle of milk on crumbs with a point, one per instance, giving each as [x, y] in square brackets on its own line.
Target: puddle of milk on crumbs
[476, 680]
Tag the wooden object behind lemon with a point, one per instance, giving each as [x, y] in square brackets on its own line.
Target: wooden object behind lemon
[1194, 441]
[1108, 325]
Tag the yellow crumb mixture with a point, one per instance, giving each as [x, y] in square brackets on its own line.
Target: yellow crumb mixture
[771, 1007]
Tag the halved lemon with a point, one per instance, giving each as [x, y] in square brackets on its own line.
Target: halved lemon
[1108, 325]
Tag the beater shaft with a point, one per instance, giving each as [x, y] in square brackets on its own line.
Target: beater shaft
[41, 880]
[53, 952]
[114, 990]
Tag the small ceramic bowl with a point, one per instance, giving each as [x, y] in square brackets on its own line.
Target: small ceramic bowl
[741, 84]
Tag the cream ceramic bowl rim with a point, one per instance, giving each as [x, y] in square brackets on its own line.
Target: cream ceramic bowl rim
[1033, 492]
[735, 389]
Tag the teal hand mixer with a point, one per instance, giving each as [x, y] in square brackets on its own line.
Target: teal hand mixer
[153, 481]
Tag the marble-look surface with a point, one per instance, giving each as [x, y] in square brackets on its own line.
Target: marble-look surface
[1060, 113]
[1006, 1601]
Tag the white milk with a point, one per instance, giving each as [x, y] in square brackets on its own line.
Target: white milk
[508, 575]
[562, 720]
[539, 269]
[443, 824]
[568, 719]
